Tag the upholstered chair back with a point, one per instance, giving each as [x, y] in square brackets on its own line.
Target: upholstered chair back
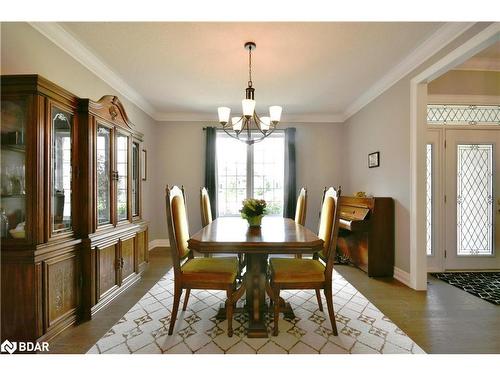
[329, 222]
[300, 210]
[206, 209]
[177, 221]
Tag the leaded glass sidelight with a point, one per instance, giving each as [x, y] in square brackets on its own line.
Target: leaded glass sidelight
[429, 185]
[103, 163]
[61, 169]
[474, 199]
[122, 169]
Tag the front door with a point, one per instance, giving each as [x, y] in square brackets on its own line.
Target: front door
[472, 200]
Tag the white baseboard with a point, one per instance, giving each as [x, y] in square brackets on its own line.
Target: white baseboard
[161, 242]
[402, 276]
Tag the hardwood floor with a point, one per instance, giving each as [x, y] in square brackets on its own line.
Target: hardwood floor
[443, 320]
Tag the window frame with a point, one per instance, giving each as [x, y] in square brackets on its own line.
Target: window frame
[250, 165]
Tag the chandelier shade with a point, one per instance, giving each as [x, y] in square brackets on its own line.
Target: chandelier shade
[249, 128]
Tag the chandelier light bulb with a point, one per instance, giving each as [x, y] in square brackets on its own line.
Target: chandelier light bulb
[224, 113]
[265, 123]
[248, 106]
[237, 123]
[275, 113]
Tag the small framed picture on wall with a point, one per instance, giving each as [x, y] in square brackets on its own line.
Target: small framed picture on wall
[374, 159]
[144, 165]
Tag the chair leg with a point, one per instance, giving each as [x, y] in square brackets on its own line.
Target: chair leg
[318, 297]
[298, 256]
[331, 312]
[276, 294]
[229, 311]
[186, 299]
[175, 308]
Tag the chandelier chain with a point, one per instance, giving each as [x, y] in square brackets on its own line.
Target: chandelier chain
[250, 67]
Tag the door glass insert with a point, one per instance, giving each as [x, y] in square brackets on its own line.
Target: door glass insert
[135, 179]
[122, 169]
[61, 169]
[13, 161]
[103, 153]
[474, 199]
[429, 185]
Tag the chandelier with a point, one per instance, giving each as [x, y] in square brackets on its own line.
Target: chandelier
[249, 127]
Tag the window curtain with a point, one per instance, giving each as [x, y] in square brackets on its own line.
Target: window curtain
[290, 175]
[211, 167]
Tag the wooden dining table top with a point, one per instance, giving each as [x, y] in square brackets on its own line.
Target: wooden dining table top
[276, 235]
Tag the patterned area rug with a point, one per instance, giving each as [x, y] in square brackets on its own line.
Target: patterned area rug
[485, 285]
[362, 327]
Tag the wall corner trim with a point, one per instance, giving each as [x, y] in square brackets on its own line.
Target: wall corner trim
[438, 40]
[161, 242]
[402, 276]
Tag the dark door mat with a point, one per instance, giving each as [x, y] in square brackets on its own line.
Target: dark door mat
[485, 285]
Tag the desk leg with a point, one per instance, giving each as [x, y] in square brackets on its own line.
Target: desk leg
[255, 294]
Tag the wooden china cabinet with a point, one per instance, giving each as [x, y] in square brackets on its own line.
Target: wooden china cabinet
[72, 236]
[115, 250]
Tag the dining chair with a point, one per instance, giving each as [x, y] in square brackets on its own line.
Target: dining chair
[205, 210]
[316, 273]
[206, 218]
[196, 273]
[300, 210]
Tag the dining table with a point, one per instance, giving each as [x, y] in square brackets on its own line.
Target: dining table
[276, 235]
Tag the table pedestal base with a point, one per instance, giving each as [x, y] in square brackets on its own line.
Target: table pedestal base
[255, 279]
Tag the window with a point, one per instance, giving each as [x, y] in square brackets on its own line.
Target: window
[245, 171]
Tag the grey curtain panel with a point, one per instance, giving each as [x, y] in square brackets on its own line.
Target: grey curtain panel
[290, 174]
[211, 167]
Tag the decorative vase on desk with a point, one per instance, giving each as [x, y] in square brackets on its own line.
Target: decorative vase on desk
[253, 211]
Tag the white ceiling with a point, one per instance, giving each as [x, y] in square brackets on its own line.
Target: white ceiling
[316, 71]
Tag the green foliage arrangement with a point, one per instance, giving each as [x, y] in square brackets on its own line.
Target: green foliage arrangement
[253, 208]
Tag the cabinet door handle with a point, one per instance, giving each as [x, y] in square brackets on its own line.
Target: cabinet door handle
[122, 262]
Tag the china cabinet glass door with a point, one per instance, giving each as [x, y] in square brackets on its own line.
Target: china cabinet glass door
[13, 161]
[61, 170]
[103, 166]
[122, 176]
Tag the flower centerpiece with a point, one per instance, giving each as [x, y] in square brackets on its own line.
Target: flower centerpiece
[253, 210]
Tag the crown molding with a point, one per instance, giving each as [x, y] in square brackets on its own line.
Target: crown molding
[439, 39]
[76, 49]
[483, 64]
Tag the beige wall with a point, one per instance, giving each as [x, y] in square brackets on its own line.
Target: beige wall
[181, 151]
[384, 125]
[466, 82]
[25, 51]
